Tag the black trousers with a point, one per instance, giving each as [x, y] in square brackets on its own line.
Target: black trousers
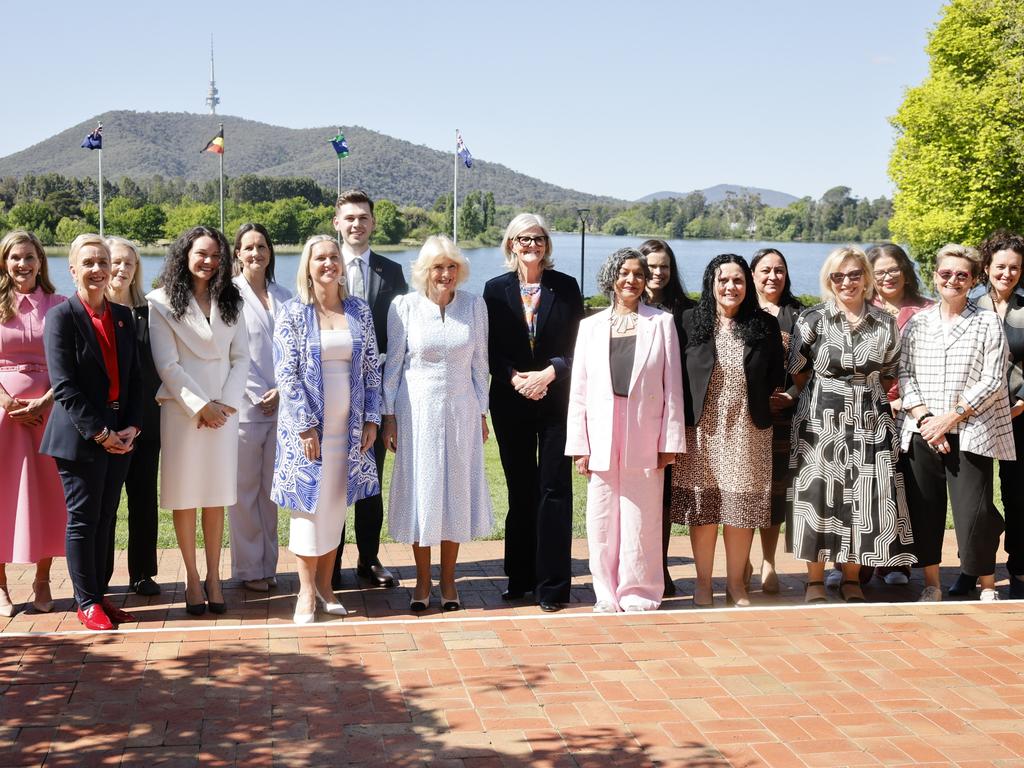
[369, 514]
[1011, 484]
[141, 489]
[92, 490]
[968, 478]
[538, 527]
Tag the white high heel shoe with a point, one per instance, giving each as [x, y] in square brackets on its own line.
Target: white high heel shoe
[305, 618]
[332, 606]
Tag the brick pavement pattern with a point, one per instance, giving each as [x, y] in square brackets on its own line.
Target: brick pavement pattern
[779, 684]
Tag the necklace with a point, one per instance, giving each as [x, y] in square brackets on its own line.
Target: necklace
[623, 324]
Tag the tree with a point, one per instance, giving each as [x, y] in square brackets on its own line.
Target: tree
[33, 216]
[69, 229]
[958, 160]
[390, 226]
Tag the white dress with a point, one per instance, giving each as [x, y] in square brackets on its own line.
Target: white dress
[317, 534]
[435, 383]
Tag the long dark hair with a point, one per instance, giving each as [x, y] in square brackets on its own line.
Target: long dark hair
[675, 291]
[176, 280]
[911, 285]
[750, 324]
[786, 298]
[245, 229]
[1000, 240]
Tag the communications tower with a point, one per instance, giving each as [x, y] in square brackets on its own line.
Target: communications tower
[212, 97]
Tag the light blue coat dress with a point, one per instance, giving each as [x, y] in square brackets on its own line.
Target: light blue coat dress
[297, 368]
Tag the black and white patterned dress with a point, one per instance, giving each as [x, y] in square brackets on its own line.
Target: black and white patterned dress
[848, 499]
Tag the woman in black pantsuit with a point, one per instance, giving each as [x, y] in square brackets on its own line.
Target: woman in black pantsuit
[140, 486]
[533, 314]
[94, 370]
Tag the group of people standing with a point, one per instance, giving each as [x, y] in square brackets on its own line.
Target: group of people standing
[847, 421]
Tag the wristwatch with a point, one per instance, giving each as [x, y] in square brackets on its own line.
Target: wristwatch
[961, 412]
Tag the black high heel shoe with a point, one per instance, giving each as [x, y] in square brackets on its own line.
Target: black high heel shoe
[218, 608]
[195, 609]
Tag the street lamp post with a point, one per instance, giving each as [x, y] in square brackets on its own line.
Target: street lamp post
[583, 213]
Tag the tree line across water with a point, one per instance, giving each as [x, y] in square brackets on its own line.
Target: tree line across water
[58, 209]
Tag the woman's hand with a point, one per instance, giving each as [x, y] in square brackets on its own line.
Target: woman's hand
[30, 412]
[389, 433]
[268, 403]
[483, 427]
[583, 465]
[214, 415]
[310, 444]
[1017, 409]
[896, 405]
[934, 429]
[779, 400]
[128, 435]
[533, 385]
[664, 459]
[369, 435]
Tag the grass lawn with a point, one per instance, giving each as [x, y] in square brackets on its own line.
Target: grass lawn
[495, 480]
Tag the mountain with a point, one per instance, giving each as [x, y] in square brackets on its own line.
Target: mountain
[770, 197]
[169, 144]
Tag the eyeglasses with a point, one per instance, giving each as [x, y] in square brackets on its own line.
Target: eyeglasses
[881, 274]
[948, 275]
[528, 240]
[854, 276]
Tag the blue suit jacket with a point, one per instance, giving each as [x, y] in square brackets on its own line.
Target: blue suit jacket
[80, 382]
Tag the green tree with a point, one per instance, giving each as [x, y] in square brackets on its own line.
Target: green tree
[68, 229]
[390, 226]
[958, 160]
[33, 216]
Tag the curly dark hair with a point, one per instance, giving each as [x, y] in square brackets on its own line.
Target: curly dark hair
[236, 267]
[911, 285]
[176, 279]
[750, 324]
[786, 298]
[609, 271]
[1000, 240]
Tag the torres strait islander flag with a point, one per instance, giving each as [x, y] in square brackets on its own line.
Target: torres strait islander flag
[216, 144]
[340, 145]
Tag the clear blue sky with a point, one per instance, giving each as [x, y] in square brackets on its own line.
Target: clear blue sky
[611, 98]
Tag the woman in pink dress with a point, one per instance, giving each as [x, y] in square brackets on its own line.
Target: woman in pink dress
[32, 511]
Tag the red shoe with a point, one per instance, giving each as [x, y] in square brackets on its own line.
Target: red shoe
[117, 615]
[94, 618]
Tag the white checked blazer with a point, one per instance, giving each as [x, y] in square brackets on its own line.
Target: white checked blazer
[970, 362]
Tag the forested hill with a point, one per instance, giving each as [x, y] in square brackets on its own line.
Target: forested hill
[145, 144]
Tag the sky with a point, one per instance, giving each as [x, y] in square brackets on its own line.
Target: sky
[611, 98]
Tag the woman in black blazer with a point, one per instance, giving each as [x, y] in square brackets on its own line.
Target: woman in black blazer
[733, 361]
[533, 315]
[93, 362]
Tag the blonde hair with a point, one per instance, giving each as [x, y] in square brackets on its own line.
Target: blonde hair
[303, 282]
[956, 251]
[435, 248]
[11, 239]
[516, 227]
[835, 260]
[135, 293]
[85, 241]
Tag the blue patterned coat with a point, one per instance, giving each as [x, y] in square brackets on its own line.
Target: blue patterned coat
[297, 369]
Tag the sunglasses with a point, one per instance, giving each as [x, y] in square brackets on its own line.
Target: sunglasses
[948, 275]
[854, 276]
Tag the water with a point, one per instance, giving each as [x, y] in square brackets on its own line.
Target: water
[804, 261]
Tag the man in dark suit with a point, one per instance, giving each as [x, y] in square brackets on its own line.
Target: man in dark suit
[93, 362]
[378, 280]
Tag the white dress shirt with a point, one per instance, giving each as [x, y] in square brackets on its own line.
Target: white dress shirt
[363, 262]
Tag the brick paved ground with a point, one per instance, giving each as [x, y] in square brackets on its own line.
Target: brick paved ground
[779, 684]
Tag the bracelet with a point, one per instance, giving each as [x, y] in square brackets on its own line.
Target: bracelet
[101, 437]
[927, 415]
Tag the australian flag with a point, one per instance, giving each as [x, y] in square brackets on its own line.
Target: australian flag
[462, 150]
[95, 139]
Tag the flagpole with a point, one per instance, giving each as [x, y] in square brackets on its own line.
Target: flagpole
[100, 155]
[455, 193]
[339, 166]
[222, 181]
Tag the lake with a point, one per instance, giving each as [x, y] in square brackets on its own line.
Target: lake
[804, 261]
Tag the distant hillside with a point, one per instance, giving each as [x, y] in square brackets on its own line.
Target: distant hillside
[169, 144]
[715, 194]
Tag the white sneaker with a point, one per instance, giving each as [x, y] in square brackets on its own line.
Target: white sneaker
[604, 606]
[989, 596]
[833, 579]
[928, 594]
[897, 578]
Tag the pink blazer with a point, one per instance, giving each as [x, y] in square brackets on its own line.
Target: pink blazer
[654, 420]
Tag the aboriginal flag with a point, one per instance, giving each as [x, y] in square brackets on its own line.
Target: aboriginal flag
[216, 144]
